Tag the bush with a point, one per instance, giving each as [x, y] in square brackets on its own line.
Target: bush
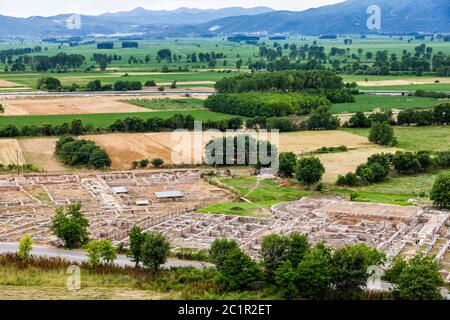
[155, 250]
[25, 247]
[239, 271]
[309, 170]
[349, 180]
[283, 124]
[99, 251]
[358, 120]
[75, 152]
[406, 162]
[49, 84]
[220, 250]
[287, 163]
[2, 109]
[322, 120]
[157, 162]
[150, 83]
[70, 227]
[382, 133]
[440, 192]
[286, 280]
[443, 159]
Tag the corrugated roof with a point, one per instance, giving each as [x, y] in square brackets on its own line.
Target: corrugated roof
[120, 190]
[169, 194]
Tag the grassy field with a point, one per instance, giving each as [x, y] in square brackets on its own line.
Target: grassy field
[432, 138]
[103, 120]
[366, 103]
[166, 103]
[41, 279]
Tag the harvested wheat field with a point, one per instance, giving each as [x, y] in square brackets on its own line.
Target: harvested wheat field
[341, 163]
[79, 105]
[41, 153]
[9, 150]
[404, 82]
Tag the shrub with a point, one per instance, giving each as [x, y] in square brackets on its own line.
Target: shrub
[287, 163]
[75, 152]
[309, 170]
[49, 84]
[382, 133]
[155, 250]
[443, 159]
[349, 180]
[440, 192]
[358, 120]
[220, 250]
[239, 271]
[99, 251]
[70, 226]
[406, 162]
[283, 124]
[25, 247]
[150, 83]
[157, 162]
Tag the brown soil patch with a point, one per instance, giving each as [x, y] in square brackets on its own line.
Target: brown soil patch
[6, 83]
[8, 152]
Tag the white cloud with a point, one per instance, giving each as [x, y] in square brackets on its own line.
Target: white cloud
[26, 8]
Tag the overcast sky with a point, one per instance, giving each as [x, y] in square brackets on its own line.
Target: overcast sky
[27, 8]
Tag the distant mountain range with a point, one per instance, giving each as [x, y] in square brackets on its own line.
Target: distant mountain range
[348, 17]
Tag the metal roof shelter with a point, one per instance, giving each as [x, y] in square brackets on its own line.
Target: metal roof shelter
[169, 195]
[142, 202]
[119, 190]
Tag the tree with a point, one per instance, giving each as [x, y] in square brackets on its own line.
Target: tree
[70, 226]
[99, 159]
[382, 133]
[2, 109]
[99, 251]
[157, 162]
[274, 252]
[239, 271]
[220, 249]
[108, 252]
[309, 170]
[25, 247]
[440, 192]
[155, 250]
[349, 269]
[49, 84]
[314, 272]
[299, 246]
[164, 54]
[286, 280]
[417, 279]
[287, 163]
[136, 239]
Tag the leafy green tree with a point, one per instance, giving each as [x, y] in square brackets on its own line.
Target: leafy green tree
[99, 159]
[239, 271]
[299, 246]
[108, 252]
[25, 247]
[155, 250]
[286, 280]
[220, 249]
[287, 163]
[309, 170]
[382, 133]
[315, 272]
[93, 250]
[274, 252]
[440, 192]
[136, 239]
[157, 162]
[70, 226]
[418, 279]
[349, 272]
[49, 84]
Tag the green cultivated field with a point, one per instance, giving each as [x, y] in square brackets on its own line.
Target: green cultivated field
[105, 119]
[367, 103]
[166, 103]
[433, 138]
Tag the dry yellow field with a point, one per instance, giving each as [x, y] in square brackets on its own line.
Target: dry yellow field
[401, 82]
[124, 148]
[5, 83]
[9, 151]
